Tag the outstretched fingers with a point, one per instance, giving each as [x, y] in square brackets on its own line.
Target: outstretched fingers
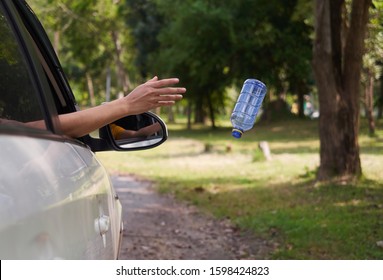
[168, 95]
[164, 82]
[163, 92]
[168, 99]
[170, 91]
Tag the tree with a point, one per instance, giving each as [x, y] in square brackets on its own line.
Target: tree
[145, 22]
[274, 43]
[337, 63]
[377, 28]
[372, 61]
[89, 36]
[213, 44]
[196, 45]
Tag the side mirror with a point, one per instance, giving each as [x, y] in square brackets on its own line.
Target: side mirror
[137, 132]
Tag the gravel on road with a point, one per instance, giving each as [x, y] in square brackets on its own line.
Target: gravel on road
[157, 227]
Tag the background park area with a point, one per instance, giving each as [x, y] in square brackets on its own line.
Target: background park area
[320, 194]
[277, 199]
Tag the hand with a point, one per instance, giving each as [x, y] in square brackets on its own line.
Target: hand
[152, 94]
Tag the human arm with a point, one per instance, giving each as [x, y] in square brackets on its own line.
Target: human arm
[121, 133]
[39, 124]
[152, 94]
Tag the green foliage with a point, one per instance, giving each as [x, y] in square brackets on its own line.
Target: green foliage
[82, 34]
[8, 49]
[145, 23]
[372, 60]
[211, 45]
[196, 45]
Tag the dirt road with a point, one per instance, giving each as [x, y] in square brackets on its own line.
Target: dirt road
[159, 228]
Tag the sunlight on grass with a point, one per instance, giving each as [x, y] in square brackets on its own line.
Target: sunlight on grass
[278, 199]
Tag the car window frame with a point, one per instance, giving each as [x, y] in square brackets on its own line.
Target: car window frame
[44, 45]
[33, 66]
[26, 26]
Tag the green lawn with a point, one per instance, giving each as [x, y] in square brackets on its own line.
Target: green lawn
[277, 199]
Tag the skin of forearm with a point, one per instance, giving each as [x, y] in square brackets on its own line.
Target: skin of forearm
[145, 131]
[148, 130]
[80, 123]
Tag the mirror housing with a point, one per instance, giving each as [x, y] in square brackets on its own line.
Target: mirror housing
[137, 132]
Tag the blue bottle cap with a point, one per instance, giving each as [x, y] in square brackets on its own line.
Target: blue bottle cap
[236, 133]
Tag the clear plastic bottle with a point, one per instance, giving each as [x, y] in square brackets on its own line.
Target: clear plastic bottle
[247, 106]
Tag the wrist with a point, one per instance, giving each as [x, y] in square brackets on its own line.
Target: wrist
[120, 108]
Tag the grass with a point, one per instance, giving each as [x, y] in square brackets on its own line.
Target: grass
[278, 199]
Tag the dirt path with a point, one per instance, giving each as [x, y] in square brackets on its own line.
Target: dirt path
[159, 228]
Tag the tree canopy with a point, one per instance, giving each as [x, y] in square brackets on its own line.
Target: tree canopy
[212, 45]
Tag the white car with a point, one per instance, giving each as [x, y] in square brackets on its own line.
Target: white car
[56, 199]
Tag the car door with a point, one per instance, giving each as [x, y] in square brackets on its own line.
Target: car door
[56, 199]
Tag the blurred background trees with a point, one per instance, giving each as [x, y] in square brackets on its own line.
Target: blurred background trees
[211, 45]
[108, 47]
[92, 43]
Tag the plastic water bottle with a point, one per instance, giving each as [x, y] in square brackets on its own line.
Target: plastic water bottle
[247, 106]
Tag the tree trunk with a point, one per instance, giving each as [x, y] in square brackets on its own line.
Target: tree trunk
[199, 114]
[56, 42]
[171, 118]
[301, 107]
[301, 89]
[380, 99]
[211, 111]
[90, 89]
[369, 104]
[189, 113]
[108, 85]
[337, 66]
[122, 76]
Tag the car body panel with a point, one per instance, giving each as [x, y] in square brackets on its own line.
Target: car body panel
[51, 206]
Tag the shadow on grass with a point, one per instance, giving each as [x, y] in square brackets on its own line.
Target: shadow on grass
[298, 132]
[303, 220]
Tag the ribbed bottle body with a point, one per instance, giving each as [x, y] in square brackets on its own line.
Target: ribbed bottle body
[247, 107]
